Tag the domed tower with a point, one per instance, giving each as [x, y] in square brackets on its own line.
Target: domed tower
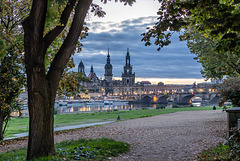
[81, 68]
[108, 69]
[128, 78]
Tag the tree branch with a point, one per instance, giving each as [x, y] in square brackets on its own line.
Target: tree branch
[33, 27]
[51, 35]
[62, 57]
[234, 66]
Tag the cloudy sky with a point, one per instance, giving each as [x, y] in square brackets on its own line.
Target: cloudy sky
[120, 29]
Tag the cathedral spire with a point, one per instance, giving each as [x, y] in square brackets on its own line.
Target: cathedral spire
[91, 71]
[108, 57]
[127, 51]
[128, 58]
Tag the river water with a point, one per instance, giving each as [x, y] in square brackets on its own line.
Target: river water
[84, 107]
[81, 108]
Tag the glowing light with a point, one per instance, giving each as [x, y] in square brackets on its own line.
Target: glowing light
[155, 99]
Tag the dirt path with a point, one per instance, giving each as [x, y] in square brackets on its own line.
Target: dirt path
[176, 136]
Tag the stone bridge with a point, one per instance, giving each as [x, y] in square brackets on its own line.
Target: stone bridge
[181, 98]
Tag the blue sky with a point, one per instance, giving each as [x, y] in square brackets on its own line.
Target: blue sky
[120, 29]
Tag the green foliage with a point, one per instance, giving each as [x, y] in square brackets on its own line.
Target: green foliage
[230, 90]
[215, 64]
[176, 106]
[230, 150]
[234, 145]
[11, 69]
[220, 152]
[211, 28]
[161, 107]
[93, 149]
[71, 84]
[144, 108]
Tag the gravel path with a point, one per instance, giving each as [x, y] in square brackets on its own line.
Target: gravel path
[175, 136]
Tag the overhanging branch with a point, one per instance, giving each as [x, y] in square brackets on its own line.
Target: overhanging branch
[51, 35]
[62, 57]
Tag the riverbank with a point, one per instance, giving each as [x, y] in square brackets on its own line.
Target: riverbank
[174, 136]
[20, 125]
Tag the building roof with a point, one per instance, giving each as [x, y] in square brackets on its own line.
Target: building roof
[145, 82]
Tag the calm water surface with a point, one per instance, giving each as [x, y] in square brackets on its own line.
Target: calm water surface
[77, 107]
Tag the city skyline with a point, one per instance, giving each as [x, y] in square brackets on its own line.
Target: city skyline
[174, 64]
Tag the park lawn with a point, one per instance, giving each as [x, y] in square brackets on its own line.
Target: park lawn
[20, 125]
[92, 149]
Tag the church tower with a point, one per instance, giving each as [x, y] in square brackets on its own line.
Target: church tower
[81, 68]
[128, 78]
[108, 69]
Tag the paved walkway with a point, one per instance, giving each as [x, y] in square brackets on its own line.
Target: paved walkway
[169, 137]
[61, 128]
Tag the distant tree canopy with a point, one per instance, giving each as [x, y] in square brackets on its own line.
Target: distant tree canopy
[211, 28]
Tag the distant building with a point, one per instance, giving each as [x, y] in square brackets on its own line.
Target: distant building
[145, 83]
[128, 78]
[126, 88]
[108, 70]
[108, 86]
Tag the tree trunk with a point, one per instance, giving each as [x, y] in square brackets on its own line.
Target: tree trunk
[1, 124]
[41, 123]
[42, 87]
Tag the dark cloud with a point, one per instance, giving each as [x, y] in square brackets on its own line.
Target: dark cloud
[173, 61]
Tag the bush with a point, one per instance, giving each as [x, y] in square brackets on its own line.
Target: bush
[234, 145]
[230, 89]
[176, 106]
[160, 106]
[191, 105]
[144, 108]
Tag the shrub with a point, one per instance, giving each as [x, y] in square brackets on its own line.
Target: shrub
[191, 105]
[160, 106]
[230, 89]
[234, 145]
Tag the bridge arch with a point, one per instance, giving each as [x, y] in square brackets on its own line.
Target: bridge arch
[132, 98]
[163, 99]
[186, 99]
[146, 99]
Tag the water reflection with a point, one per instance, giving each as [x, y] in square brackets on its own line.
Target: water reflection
[81, 108]
[75, 107]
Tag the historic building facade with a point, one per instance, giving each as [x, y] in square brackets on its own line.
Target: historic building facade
[108, 86]
[128, 77]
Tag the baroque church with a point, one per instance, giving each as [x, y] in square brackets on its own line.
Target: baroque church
[108, 86]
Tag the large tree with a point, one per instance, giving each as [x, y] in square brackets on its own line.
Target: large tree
[215, 21]
[42, 83]
[42, 87]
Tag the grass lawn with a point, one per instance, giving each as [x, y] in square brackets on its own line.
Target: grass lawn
[93, 149]
[20, 125]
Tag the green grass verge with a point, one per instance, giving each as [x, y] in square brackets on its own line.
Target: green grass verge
[94, 149]
[219, 152]
[20, 125]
